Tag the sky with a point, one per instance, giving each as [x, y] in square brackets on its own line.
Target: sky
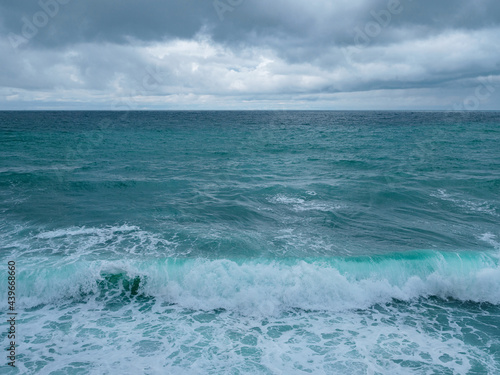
[250, 54]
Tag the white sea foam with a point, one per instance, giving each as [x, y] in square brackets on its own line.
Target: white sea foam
[81, 242]
[299, 204]
[155, 338]
[271, 287]
[324, 316]
[78, 231]
[471, 205]
[490, 239]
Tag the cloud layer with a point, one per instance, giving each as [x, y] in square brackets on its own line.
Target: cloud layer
[244, 54]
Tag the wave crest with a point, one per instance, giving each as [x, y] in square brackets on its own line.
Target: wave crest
[271, 286]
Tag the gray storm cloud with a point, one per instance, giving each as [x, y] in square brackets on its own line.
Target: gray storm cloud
[227, 54]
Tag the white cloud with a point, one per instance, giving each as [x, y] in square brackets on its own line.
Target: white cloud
[203, 73]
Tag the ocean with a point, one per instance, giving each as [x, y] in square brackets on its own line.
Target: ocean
[254, 242]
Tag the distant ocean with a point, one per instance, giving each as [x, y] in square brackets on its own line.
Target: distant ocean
[274, 242]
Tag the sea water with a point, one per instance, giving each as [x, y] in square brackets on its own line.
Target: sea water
[277, 242]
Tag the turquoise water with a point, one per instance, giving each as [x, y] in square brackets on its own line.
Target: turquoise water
[252, 242]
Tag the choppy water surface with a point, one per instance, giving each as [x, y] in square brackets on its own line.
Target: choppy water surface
[252, 242]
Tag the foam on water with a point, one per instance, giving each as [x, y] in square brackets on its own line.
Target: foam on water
[489, 238]
[76, 231]
[76, 243]
[467, 204]
[300, 204]
[198, 316]
[269, 287]
[116, 329]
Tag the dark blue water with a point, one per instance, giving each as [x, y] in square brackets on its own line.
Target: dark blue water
[252, 242]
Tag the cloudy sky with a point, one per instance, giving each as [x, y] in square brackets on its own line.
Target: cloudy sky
[250, 54]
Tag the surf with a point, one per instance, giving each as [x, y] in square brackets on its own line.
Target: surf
[270, 286]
